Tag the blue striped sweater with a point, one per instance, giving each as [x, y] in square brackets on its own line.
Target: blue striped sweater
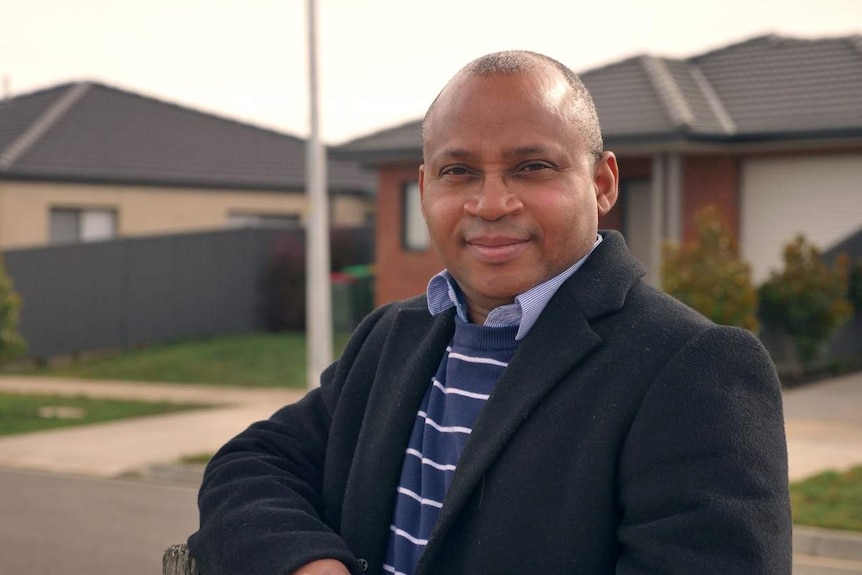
[467, 374]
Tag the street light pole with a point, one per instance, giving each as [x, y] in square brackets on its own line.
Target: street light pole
[318, 298]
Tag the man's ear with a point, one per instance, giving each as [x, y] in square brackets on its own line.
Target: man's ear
[422, 187]
[606, 181]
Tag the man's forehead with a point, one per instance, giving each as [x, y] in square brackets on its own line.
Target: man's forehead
[466, 91]
[548, 81]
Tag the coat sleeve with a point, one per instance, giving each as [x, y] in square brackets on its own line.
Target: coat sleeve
[260, 502]
[703, 475]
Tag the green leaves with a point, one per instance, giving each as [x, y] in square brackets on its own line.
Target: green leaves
[808, 298]
[12, 345]
[707, 274]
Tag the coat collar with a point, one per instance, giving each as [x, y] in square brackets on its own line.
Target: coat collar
[561, 339]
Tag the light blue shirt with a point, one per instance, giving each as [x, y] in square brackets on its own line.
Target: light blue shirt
[443, 292]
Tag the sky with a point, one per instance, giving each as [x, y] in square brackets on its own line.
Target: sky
[380, 62]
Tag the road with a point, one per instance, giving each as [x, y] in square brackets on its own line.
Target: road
[67, 525]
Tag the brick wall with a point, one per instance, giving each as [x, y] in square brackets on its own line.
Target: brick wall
[399, 274]
[711, 180]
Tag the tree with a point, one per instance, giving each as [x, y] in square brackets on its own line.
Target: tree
[707, 274]
[808, 298]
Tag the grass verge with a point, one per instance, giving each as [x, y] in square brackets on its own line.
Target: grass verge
[248, 360]
[831, 499]
[198, 459]
[25, 413]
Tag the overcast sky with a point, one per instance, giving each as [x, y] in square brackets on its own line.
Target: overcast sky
[381, 61]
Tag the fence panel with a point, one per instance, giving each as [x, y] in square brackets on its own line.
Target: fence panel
[136, 291]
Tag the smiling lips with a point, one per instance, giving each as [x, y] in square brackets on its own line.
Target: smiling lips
[496, 249]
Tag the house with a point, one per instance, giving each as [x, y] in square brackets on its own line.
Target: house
[769, 130]
[85, 161]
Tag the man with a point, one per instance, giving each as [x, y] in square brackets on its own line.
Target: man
[541, 410]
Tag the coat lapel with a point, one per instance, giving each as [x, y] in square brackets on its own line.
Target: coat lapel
[408, 361]
[559, 341]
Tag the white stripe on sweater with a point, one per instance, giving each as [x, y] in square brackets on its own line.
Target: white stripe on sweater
[421, 500]
[390, 569]
[444, 428]
[407, 536]
[426, 461]
[471, 359]
[456, 391]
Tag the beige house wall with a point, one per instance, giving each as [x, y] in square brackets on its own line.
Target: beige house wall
[352, 210]
[142, 210]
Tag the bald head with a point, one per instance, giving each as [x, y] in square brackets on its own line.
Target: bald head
[581, 110]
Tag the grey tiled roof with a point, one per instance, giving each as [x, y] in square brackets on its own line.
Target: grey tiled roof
[772, 85]
[400, 142]
[766, 88]
[92, 132]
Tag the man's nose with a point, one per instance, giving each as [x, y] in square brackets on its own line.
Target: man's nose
[493, 199]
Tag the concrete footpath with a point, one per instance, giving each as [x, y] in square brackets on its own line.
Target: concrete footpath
[131, 446]
[823, 422]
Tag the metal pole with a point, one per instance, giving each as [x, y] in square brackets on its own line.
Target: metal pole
[318, 298]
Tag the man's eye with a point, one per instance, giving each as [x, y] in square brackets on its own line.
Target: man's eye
[454, 171]
[534, 167]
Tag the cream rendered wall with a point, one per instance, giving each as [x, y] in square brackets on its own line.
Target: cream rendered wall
[25, 207]
[352, 210]
[818, 196]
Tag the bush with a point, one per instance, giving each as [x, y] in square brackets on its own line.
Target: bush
[807, 299]
[283, 283]
[707, 274]
[854, 287]
[12, 344]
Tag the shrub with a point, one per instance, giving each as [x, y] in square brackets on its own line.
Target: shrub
[12, 344]
[854, 287]
[283, 283]
[707, 274]
[807, 299]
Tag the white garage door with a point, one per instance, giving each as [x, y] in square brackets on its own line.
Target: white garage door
[818, 196]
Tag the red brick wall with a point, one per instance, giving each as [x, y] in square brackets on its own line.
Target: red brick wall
[711, 180]
[399, 274]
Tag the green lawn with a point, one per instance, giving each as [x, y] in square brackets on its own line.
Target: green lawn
[832, 500]
[261, 359]
[24, 413]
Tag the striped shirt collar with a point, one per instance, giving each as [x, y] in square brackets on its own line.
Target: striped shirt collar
[444, 293]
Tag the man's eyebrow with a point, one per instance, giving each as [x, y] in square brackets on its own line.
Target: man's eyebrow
[526, 151]
[453, 153]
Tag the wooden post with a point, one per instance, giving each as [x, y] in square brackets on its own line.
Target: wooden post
[178, 561]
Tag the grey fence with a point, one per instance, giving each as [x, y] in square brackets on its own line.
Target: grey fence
[136, 291]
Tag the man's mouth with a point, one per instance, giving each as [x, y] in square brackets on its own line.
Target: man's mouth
[496, 249]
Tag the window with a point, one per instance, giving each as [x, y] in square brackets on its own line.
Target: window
[255, 220]
[82, 224]
[414, 234]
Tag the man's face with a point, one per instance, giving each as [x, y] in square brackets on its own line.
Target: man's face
[509, 191]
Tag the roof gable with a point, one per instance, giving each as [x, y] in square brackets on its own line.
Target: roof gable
[92, 132]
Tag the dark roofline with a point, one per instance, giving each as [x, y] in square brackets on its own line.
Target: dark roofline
[221, 185]
[370, 158]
